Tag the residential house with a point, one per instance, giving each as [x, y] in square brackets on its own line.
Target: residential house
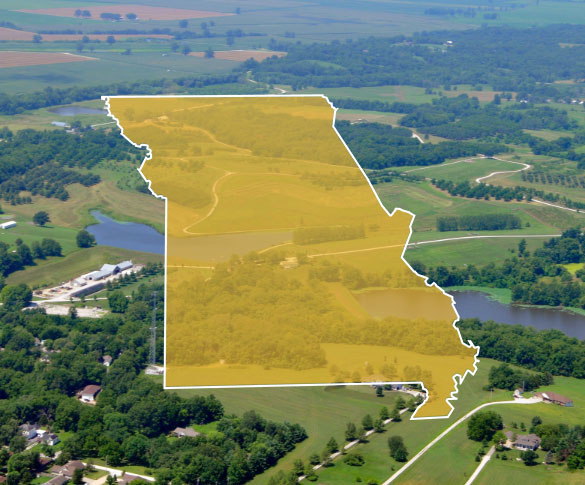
[182, 432]
[522, 441]
[107, 360]
[68, 469]
[89, 393]
[29, 431]
[128, 478]
[50, 439]
[554, 398]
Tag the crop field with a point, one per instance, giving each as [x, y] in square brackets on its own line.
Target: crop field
[20, 59]
[56, 270]
[241, 55]
[23, 35]
[143, 12]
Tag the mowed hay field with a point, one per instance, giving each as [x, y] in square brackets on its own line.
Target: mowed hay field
[19, 59]
[143, 12]
[23, 35]
[241, 55]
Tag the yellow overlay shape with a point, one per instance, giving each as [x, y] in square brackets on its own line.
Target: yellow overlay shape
[282, 266]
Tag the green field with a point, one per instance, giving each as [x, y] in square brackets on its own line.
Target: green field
[467, 170]
[28, 232]
[57, 270]
[387, 94]
[452, 459]
[324, 412]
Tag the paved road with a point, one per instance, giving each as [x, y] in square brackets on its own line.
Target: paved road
[484, 461]
[410, 462]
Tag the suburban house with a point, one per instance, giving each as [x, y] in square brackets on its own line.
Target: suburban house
[29, 431]
[50, 439]
[89, 393]
[107, 360]
[182, 432]
[554, 398]
[68, 469]
[523, 441]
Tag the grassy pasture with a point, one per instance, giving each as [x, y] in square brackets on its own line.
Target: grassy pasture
[56, 270]
[387, 94]
[452, 460]
[461, 171]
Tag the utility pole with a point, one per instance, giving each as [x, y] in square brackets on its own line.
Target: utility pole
[152, 354]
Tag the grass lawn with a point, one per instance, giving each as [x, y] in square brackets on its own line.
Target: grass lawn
[416, 434]
[57, 270]
[40, 480]
[96, 474]
[452, 459]
[29, 232]
[323, 412]
[464, 170]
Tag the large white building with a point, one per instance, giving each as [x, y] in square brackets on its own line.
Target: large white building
[8, 225]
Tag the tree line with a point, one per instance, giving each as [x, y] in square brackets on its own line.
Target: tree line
[479, 222]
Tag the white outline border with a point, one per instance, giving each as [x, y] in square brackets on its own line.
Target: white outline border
[457, 378]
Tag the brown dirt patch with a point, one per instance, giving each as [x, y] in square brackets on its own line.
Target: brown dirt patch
[18, 35]
[241, 55]
[143, 12]
[483, 96]
[17, 59]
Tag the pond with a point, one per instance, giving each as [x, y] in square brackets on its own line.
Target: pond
[126, 235]
[473, 304]
[76, 110]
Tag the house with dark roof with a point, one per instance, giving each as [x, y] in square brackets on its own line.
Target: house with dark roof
[68, 469]
[554, 398]
[522, 441]
[89, 393]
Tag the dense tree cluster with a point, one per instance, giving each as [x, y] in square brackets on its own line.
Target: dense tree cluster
[483, 425]
[133, 415]
[45, 162]
[378, 146]
[16, 258]
[505, 377]
[208, 84]
[524, 60]
[545, 351]
[479, 222]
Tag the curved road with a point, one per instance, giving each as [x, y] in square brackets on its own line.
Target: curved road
[410, 462]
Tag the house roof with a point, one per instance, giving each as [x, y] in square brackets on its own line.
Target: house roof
[91, 389]
[60, 480]
[190, 432]
[527, 440]
[71, 466]
[28, 427]
[125, 265]
[553, 396]
[107, 358]
[128, 478]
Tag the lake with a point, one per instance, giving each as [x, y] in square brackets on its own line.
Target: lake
[76, 110]
[474, 304]
[126, 235]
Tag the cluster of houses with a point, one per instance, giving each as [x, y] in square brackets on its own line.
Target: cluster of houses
[33, 435]
[63, 474]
